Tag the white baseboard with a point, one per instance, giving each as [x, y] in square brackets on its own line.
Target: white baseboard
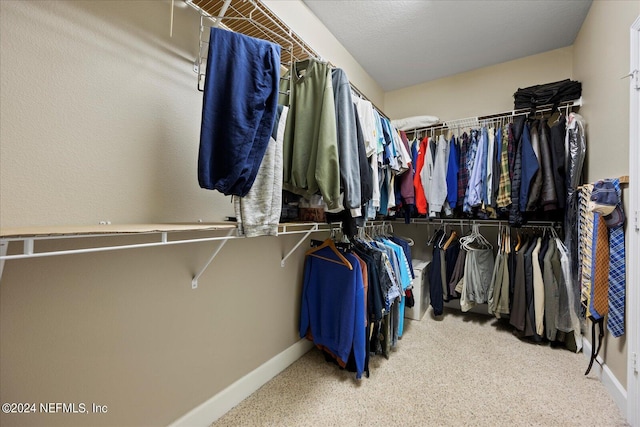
[221, 403]
[617, 392]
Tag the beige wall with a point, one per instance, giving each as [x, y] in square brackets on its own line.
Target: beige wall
[479, 92]
[125, 329]
[100, 115]
[600, 58]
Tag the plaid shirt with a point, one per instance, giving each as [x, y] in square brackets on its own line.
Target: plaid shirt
[504, 187]
[463, 171]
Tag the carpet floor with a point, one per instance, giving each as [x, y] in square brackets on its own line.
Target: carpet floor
[461, 370]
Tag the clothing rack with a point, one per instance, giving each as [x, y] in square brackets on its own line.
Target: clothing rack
[478, 121]
[483, 222]
[357, 92]
[252, 18]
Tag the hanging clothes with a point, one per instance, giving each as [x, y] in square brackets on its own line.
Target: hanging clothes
[405, 182]
[463, 170]
[421, 199]
[258, 213]
[472, 182]
[366, 174]
[519, 306]
[437, 198]
[575, 150]
[453, 167]
[478, 268]
[367, 119]
[530, 313]
[548, 197]
[529, 161]
[497, 155]
[434, 269]
[503, 199]
[489, 175]
[538, 286]
[557, 132]
[478, 178]
[451, 254]
[404, 276]
[515, 213]
[535, 186]
[332, 311]
[551, 290]
[426, 174]
[347, 141]
[391, 275]
[455, 286]
[310, 148]
[498, 294]
[570, 288]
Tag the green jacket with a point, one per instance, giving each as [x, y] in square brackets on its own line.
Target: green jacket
[310, 147]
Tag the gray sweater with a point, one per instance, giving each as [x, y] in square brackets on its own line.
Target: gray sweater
[347, 142]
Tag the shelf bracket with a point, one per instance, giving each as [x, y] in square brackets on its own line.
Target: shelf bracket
[194, 281]
[307, 234]
[4, 245]
[28, 246]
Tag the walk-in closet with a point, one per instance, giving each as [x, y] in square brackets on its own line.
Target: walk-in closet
[319, 212]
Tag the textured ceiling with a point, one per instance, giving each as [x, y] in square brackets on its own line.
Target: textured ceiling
[401, 43]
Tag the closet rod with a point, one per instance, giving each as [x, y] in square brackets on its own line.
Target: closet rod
[483, 222]
[477, 121]
[363, 96]
[526, 111]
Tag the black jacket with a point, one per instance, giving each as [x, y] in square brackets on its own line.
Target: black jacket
[558, 131]
[536, 183]
[548, 198]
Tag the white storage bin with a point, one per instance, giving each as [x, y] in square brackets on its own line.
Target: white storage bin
[420, 291]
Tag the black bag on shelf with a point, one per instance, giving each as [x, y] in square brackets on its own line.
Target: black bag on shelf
[547, 94]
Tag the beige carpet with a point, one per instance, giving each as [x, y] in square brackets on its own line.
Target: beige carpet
[465, 369]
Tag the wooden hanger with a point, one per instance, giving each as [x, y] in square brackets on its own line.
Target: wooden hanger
[331, 244]
[450, 241]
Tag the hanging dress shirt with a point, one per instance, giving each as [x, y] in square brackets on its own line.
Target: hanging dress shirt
[438, 188]
[453, 167]
[548, 197]
[347, 140]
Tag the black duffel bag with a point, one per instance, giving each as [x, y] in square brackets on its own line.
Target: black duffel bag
[547, 94]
